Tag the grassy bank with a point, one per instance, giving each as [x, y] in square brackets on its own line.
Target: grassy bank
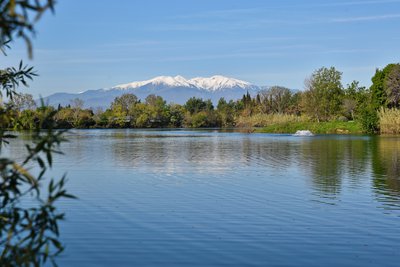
[284, 123]
[331, 127]
[262, 120]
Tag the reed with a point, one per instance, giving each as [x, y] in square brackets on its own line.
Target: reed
[389, 121]
[263, 120]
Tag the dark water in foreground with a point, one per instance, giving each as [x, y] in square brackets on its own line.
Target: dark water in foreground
[206, 198]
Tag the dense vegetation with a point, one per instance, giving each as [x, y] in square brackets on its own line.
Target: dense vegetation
[29, 218]
[278, 109]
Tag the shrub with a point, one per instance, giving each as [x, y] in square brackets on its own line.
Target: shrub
[369, 121]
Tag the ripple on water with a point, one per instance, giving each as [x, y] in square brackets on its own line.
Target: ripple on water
[204, 198]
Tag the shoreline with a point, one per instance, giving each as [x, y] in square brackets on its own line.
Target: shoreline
[332, 127]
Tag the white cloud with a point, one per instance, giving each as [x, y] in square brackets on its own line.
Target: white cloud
[366, 18]
[353, 3]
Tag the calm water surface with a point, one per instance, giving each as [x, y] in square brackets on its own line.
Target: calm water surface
[209, 198]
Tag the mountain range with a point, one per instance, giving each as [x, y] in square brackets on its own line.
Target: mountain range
[173, 89]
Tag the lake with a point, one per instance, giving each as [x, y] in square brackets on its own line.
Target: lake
[212, 198]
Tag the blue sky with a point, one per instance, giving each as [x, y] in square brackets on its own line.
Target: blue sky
[100, 43]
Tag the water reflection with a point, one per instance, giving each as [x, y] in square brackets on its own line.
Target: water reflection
[209, 197]
[331, 160]
[211, 153]
[386, 171]
[328, 161]
[325, 157]
[327, 164]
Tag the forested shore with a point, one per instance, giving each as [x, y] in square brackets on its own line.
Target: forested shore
[324, 106]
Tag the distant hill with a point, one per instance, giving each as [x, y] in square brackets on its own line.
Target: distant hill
[173, 89]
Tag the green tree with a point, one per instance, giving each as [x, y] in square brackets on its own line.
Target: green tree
[323, 96]
[384, 92]
[195, 105]
[119, 117]
[177, 114]
[385, 88]
[125, 101]
[226, 112]
[74, 118]
[65, 118]
[158, 111]
[355, 98]
[275, 99]
[142, 115]
[81, 118]
[100, 117]
[209, 105]
[26, 120]
[199, 120]
[392, 87]
[294, 104]
[200, 113]
[122, 110]
[247, 105]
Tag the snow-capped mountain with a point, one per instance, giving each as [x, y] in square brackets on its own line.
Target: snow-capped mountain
[173, 89]
[218, 82]
[213, 83]
[177, 81]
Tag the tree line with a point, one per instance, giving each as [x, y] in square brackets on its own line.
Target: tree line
[324, 99]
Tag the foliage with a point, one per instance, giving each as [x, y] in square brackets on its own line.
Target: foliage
[392, 87]
[324, 100]
[384, 92]
[176, 113]
[378, 95]
[323, 97]
[195, 105]
[195, 120]
[276, 99]
[26, 119]
[11, 78]
[369, 120]
[354, 99]
[157, 110]
[74, 118]
[125, 102]
[385, 88]
[19, 16]
[198, 120]
[226, 112]
[29, 233]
